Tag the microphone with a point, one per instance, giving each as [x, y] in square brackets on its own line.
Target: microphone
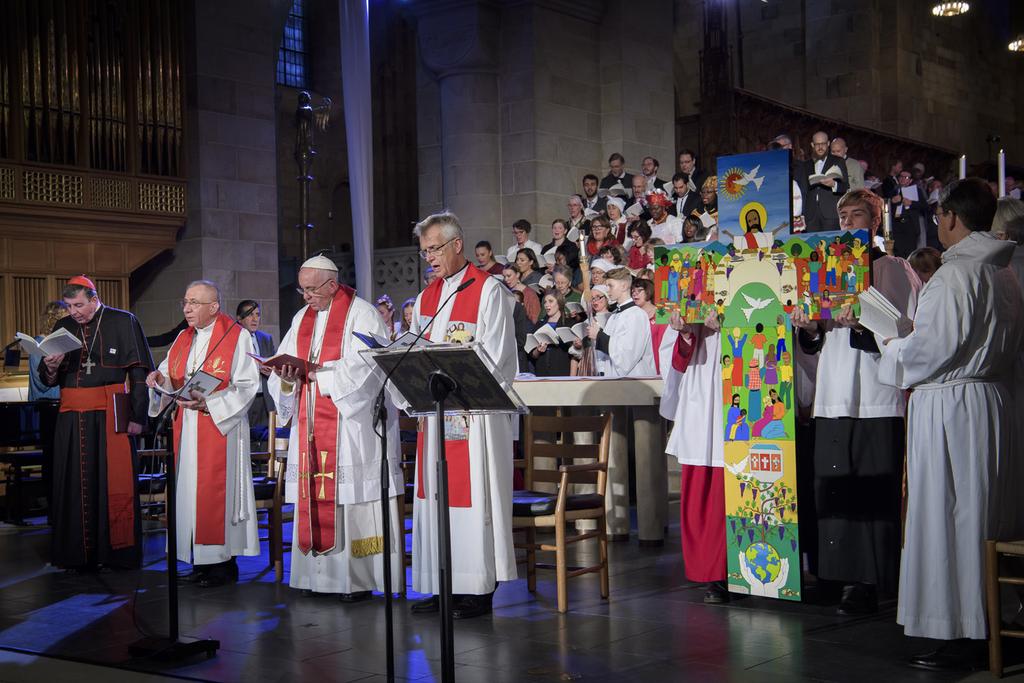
[378, 408]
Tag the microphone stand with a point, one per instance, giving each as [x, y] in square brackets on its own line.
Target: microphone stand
[171, 648]
[380, 423]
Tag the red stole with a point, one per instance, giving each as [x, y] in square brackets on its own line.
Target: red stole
[211, 445]
[462, 329]
[318, 452]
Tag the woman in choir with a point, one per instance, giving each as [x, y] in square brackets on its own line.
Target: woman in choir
[638, 256]
[559, 230]
[642, 293]
[616, 219]
[692, 398]
[600, 235]
[568, 255]
[530, 300]
[528, 267]
[563, 284]
[576, 218]
[552, 360]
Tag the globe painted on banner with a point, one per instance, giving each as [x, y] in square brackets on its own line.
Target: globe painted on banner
[763, 561]
[765, 462]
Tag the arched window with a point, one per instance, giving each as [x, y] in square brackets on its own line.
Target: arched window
[291, 56]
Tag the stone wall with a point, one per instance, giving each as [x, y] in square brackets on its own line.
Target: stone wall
[231, 233]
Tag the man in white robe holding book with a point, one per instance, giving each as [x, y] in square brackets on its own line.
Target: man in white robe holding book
[333, 473]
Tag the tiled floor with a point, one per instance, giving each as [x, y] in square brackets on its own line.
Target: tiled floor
[654, 628]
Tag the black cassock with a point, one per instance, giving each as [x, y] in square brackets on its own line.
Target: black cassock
[79, 513]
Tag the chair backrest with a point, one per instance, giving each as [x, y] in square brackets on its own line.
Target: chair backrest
[563, 449]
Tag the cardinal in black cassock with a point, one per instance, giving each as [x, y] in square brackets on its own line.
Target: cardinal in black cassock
[95, 513]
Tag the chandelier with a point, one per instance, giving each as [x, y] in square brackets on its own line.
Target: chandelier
[1017, 45]
[950, 9]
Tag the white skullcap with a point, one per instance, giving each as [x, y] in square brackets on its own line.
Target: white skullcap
[602, 290]
[320, 262]
[604, 265]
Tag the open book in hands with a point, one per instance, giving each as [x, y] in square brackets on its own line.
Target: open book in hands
[879, 315]
[60, 341]
[282, 359]
[201, 382]
[817, 178]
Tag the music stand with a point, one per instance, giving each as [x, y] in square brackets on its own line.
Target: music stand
[426, 384]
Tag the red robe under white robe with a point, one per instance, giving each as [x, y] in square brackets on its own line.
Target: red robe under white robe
[216, 508]
[692, 399]
[480, 454]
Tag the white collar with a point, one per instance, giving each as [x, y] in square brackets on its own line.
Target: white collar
[458, 275]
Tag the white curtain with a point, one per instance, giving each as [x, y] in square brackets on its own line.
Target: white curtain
[355, 82]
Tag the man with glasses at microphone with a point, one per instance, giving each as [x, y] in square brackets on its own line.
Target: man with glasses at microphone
[216, 508]
[333, 453]
[464, 304]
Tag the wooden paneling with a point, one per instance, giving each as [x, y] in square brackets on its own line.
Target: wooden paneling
[108, 258]
[29, 254]
[69, 257]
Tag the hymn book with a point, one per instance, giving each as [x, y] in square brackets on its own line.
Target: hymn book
[201, 382]
[61, 341]
[817, 178]
[282, 359]
[633, 210]
[571, 334]
[573, 235]
[879, 315]
[616, 190]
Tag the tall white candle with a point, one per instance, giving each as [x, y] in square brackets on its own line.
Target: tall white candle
[963, 166]
[886, 222]
[1002, 173]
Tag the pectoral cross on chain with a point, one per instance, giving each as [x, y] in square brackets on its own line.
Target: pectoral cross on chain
[88, 365]
[321, 475]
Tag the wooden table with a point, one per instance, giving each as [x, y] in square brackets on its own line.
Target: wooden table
[623, 396]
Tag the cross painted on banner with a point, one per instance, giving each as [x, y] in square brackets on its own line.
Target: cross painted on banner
[88, 365]
[323, 475]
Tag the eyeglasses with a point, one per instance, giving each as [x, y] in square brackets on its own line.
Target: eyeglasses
[937, 216]
[434, 251]
[192, 303]
[310, 291]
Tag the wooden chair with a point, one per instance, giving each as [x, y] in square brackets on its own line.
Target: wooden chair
[993, 580]
[533, 510]
[269, 491]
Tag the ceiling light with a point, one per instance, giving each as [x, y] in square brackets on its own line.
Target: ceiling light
[950, 9]
[1017, 45]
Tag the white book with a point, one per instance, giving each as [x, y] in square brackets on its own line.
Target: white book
[633, 210]
[571, 334]
[549, 258]
[61, 341]
[547, 282]
[879, 315]
[616, 190]
[531, 343]
[602, 318]
[546, 335]
[574, 307]
[573, 234]
[816, 178]
[590, 214]
[707, 220]
[503, 260]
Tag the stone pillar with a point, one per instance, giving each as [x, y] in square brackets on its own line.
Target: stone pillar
[231, 233]
[458, 52]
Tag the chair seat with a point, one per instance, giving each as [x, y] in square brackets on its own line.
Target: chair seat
[263, 487]
[149, 484]
[538, 503]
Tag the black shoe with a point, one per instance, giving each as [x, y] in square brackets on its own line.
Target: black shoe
[469, 606]
[219, 574]
[955, 655]
[358, 596]
[426, 606]
[716, 593]
[858, 599]
[194, 576]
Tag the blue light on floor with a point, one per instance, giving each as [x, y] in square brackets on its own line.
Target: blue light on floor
[49, 625]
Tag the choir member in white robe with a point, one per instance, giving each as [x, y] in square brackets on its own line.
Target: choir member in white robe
[347, 556]
[692, 400]
[623, 349]
[962, 474]
[859, 431]
[216, 508]
[478, 449]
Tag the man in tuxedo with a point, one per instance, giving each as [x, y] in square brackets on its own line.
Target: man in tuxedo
[590, 199]
[263, 346]
[649, 166]
[687, 160]
[684, 201]
[617, 172]
[821, 196]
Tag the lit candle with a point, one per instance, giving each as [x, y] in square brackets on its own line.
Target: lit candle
[1002, 173]
[963, 166]
[886, 222]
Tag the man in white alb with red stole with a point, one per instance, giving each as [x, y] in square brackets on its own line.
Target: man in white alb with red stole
[216, 508]
[478, 449]
[333, 474]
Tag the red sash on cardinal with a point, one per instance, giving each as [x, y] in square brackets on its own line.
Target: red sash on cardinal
[211, 445]
[461, 329]
[318, 447]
